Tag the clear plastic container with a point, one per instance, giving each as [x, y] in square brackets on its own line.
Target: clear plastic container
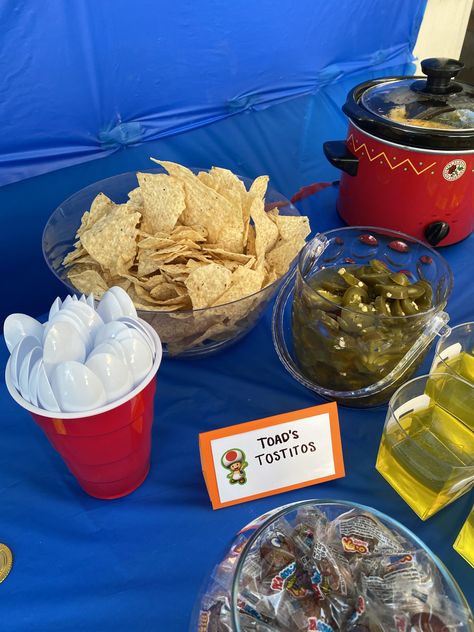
[185, 332]
[427, 447]
[464, 544]
[344, 354]
[454, 355]
[302, 567]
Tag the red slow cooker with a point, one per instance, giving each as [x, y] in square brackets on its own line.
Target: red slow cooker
[408, 160]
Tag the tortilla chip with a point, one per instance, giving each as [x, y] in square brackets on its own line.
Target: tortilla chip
[207, 207]
[266, 232]
[155, 243]
[163, 201]
[251, 248]
[135, 198]
[281, 257]
[226, 254]
[244, 282]
[112, 236]
[88, 282]
[292, 227]
[190, 233]
[206, 283]
[146, 266]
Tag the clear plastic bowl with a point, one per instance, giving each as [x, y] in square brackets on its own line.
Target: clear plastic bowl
[186, 332]
[319, 360]
[225, 597]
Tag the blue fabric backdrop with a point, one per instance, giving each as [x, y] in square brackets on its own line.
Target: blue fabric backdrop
[82, 79]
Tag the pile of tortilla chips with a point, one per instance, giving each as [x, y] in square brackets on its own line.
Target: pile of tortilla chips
[183, 242]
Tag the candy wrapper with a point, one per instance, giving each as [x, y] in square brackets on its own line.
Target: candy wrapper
[362, 533]
[322, 567]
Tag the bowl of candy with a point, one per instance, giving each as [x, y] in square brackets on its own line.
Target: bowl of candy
[201, 253]
[360, 312]
[329, 565]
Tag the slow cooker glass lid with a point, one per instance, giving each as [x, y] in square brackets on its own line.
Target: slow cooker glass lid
[434, 102]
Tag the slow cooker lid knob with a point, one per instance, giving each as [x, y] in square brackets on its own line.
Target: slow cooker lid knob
[436, 232]
[439, 72]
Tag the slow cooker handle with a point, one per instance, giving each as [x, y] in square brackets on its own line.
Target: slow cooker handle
[439, 72]
[436, 232]
[339, 156]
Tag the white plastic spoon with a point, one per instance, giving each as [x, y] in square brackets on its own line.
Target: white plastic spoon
[112, 372]
[77, 388]
[67, 301]
[19, 353]
[24, 375]
[134, 323]
[46, 398]
[55, 307]
[138, 358]
[87, 315]
[109, 330]
[109, 308]
[62, 343]
[107, 347]
[33, 383]
[17, 326]
[124, 300]
[69, 317]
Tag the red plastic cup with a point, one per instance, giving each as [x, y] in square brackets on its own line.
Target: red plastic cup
[108, 449]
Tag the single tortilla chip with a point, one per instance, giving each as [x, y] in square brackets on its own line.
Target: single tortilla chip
[163, 201]
[266, 231]
[226, 183]
[112, 236]
[206, 283]
[243, 283]
[72, 256]
[88, 282]
[281, 257]
[155, 243]
[226, 254]
[147, 266]
[292, 227]
[190, 233]
[100, 207]
[135, 199]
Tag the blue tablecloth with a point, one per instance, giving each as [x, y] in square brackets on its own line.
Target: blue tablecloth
[137, 563]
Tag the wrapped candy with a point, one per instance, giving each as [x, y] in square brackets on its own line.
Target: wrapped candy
[310, 570]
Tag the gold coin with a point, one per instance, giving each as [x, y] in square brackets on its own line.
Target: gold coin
[6, 561]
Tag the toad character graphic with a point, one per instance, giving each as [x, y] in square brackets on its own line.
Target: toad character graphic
[234, 460]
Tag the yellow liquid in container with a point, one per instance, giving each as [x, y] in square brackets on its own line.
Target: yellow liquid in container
[457, 397]
[428, 456]
[464, 544]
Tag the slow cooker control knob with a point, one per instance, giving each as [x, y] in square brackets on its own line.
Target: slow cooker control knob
[436, 232]
[439, 72]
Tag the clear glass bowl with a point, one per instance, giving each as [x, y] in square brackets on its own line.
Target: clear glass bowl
[362, 360]
[254, 586]
[186, 332]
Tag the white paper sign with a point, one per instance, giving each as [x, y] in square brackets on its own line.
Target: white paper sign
[272, 455]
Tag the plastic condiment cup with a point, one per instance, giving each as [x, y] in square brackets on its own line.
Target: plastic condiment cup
[427, 447]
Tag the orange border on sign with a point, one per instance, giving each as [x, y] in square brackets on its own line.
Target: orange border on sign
[207, 462]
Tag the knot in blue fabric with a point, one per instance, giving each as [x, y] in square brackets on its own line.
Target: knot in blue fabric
[122, 135]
